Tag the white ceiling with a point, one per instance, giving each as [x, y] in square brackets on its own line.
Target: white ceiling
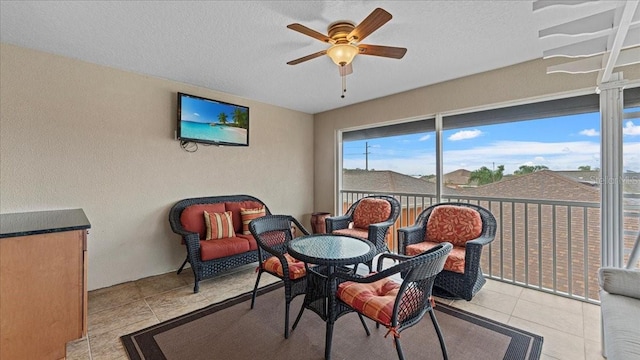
[242, 47]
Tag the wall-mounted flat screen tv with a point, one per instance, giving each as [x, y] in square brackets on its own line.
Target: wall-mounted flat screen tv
[211, 121]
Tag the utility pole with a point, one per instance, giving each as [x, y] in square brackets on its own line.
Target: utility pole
[366, 156]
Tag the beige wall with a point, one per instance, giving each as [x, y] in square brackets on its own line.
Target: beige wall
[79, 135]
[514, 83]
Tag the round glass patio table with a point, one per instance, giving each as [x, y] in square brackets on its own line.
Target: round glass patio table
[328, 253]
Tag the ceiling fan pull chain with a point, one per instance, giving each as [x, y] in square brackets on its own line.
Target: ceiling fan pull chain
[344, 85]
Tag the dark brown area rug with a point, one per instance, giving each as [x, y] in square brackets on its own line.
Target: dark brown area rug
[231, 330]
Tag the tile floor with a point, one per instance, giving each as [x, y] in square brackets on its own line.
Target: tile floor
[571, 328]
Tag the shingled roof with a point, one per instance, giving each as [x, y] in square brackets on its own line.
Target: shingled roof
[385, 181]
[544, 184]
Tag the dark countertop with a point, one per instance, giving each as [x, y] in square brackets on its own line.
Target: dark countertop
[42, 222]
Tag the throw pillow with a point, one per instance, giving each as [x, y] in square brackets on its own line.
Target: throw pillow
[249, 214]
[219, 225]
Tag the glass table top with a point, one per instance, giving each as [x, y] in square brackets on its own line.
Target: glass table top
[322, 248]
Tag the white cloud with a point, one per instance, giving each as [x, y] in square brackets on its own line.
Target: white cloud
[425, 138]
[196, 114]
[589, 132]
[631, 129]
[465, 135]
[511, 154]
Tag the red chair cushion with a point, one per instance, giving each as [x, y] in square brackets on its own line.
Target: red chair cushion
[374, 300]
[296, 267]
[455, 259]
[216, 249]
[370, 211]
[455, 224]
[359, 233]
[253, 245]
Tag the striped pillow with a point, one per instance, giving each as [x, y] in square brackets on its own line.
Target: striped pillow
[249, 214]
[219, 225]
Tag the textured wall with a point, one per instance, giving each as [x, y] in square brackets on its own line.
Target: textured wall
[79, 135]
[522, 82]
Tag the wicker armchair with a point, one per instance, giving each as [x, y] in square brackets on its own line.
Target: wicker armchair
[193, 236]
[372, 216]
[469, 228]
[272, 232]
[372, 295]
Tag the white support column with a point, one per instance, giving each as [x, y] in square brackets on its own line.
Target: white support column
[439, 156]
[611, 206]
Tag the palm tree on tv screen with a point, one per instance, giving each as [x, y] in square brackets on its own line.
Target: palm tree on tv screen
[241, 117]
[222, 118]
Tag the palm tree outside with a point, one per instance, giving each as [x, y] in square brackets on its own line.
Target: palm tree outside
[484, 175]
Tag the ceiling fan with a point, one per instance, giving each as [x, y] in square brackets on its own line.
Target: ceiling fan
[345, 37]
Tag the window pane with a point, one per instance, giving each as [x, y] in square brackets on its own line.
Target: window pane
[539, 179]
[402, 166]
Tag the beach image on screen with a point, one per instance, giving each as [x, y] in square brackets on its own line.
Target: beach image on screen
[208, 120]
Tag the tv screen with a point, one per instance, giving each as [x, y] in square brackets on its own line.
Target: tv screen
[210, 121]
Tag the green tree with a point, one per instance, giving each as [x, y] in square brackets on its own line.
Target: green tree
[241, 117]
[484, 175]
[222, 118]
[584, 168]
[528, 169]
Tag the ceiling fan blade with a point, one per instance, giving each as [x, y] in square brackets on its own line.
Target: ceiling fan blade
[377, 18]
[308, 57]
[309, 32]
[345, 70]
[385, 51]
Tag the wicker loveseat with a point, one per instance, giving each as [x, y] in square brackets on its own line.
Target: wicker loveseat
[209, 257]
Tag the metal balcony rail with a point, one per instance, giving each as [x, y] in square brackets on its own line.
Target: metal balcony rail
[550, 246]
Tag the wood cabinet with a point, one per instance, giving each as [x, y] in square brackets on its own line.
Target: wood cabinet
[43, 283]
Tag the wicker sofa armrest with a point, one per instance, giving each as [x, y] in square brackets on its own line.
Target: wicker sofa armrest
[184, 233]
[192, 241]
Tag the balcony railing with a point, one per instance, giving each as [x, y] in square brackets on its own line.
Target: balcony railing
[551, 246]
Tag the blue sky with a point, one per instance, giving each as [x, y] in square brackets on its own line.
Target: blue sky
[563, 143]
[197, 110]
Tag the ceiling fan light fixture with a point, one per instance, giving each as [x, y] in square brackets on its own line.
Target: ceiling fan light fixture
[342, 54]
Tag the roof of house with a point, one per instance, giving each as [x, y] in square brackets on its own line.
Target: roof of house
[585, 177]
[457, 177]
[385, 181]
[544, 184]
